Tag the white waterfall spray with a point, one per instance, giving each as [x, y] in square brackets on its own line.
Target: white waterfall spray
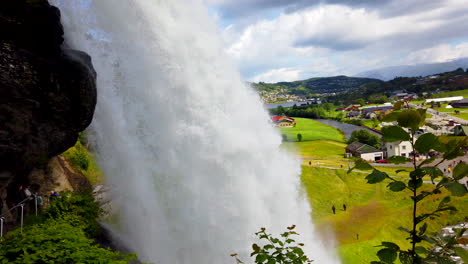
[197, 165]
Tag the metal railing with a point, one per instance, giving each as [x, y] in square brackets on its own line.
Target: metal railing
[19, 205]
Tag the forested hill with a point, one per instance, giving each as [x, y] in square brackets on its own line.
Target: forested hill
[318, 85]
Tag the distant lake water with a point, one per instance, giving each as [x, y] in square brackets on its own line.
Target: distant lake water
[345, 127]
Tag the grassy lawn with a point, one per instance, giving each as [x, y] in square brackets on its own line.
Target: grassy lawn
[462, 115]
[312, 130]
[84, 161]
[463, 93]
[373, 212]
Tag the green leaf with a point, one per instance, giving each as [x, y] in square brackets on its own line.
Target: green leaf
[414, 184]
[460, 171]
[444, 201]
[394, 133]
[398, 171]
[425, 143]
[434, 172]
[410, 119]
[396, 186]
[405, 258]
[453, 149]
[457, 189]
[261, 258]
[427, 161]
[422, 113]
[421, 250]
[390, 245]
[398, 160]
[387, 255]
[462, 253]
[397, 106]
[393, 116]
[361, 164]
[376, 176]
[271, 261]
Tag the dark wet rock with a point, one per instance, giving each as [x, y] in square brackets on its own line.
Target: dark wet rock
[47, 94]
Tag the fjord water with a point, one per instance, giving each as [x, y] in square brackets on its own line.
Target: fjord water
[194, 164]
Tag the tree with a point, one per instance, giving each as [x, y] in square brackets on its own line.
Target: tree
[365, 137]
[284, 137]
[360, 101]
[299, 137]
[274, 250]
[411, 120]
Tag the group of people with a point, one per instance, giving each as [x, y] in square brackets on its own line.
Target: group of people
[18, 194]
[334, 208]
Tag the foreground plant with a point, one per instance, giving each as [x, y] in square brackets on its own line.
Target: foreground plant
[411, 120]
[275, 250]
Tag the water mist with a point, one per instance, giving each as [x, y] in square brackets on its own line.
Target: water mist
[195, 163]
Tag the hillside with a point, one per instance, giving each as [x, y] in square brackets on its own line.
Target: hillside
[312, 86]
[378, 92]
[389, 73]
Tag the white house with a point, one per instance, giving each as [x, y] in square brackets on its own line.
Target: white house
[364, 151]
[445, 99]
[398, 148]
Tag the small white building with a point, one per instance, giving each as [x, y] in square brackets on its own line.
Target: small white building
[364, 151]
[398, 148]
[445, 99]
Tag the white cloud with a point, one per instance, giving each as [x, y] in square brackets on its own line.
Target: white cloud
[347, 40]
[439, 53]
[278, 75]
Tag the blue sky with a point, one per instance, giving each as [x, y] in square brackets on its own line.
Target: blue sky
[285, 40]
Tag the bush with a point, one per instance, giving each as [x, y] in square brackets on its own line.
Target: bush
[284, 250]
[79, 156]
[56, 241]
[79, 210]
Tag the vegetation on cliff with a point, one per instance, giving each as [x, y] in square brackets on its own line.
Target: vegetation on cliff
[63, 233]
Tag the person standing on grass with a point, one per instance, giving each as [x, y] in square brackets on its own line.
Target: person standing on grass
[344, 207]
[333, 209]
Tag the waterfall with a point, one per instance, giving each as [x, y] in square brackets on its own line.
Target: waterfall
[195, 163]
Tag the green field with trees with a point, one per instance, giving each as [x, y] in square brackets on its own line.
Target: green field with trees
[373, 213]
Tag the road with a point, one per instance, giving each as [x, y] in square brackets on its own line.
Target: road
[441, 115]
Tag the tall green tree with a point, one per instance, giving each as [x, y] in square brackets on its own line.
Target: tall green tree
[365, 137]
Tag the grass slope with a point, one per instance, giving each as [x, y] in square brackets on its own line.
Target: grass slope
[463, 93]
[84, 161]
[312, 130]
[373, 212]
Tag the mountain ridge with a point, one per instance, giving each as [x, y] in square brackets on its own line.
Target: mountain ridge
[416, 70]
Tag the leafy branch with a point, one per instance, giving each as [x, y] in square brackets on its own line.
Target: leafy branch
[408, 123]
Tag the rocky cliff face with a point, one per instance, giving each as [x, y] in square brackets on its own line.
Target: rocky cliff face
[47, 93]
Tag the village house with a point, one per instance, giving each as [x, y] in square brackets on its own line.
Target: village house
[372, 112]
[398, 148]
[283, 121]
[364, 151]
[460, 104]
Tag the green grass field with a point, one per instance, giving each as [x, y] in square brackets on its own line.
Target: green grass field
[312, 130]
[373, 212]
[84, 161]
[463, 93]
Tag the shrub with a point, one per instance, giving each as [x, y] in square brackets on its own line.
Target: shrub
[280, 251]
[56, 241]
[78, 209]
